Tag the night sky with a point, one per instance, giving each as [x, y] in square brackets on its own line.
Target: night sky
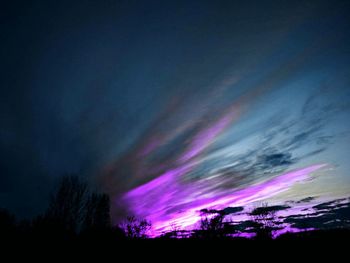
[175, 106]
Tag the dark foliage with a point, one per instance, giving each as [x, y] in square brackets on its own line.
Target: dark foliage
[264, 221]
[76, 215]
[136, 228]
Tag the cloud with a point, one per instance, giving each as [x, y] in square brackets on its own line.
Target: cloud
[167, 200]
[226, 211]
[185, 142]
[327, 215]
[306, 199]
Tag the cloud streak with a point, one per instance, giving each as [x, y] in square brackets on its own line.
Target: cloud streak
[167, 201]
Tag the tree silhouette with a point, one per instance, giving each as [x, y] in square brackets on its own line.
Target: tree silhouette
[7, 224]
[136, 228]
[264, 221]
[74, 210]
[6, 219]
[97, 214]
[67, 207]
[211, 226]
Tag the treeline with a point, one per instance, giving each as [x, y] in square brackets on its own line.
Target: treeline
[75, 213]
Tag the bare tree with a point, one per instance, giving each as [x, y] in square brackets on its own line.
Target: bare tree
[136, 228]
[212, 226]
[264, 218]
[97, 213]
[67, 205]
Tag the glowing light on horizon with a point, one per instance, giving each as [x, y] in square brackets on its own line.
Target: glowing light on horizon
[166, 201]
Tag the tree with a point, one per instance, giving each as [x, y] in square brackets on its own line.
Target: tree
[136, 228]
[97, 214]
[73, 208]
[211, 226]
[264, 218]
[7, 224]
[67, 207]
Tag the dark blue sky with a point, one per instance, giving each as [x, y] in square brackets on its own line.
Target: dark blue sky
[117, 90]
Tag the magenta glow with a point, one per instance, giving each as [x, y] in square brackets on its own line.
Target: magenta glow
[167, 200]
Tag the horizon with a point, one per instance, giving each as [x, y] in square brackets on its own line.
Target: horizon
[170, 108]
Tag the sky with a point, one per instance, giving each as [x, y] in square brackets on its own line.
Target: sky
[175, 106]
